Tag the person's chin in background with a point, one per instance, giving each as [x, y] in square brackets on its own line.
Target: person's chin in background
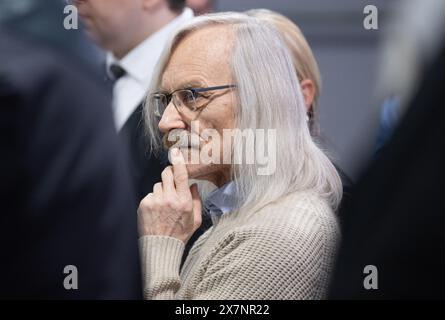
[200, 6]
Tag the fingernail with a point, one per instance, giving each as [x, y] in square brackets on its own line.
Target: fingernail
[175, 156]
[175, 152]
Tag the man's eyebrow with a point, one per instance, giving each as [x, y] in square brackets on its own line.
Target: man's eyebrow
[192, 84]
[195, 83]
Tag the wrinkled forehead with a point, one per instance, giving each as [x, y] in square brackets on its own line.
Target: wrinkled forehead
[201, 58]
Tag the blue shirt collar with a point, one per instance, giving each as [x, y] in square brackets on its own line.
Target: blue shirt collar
[222, 200]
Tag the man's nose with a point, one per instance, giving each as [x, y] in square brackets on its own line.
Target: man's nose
[171, 119]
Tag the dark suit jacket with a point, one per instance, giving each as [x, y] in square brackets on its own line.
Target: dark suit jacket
[65, 195]
[395, 217]
[145, 167]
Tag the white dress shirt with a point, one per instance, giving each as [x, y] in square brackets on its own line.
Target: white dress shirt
[139, 64]
[222, 200]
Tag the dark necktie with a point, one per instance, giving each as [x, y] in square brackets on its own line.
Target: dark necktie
[115, 72]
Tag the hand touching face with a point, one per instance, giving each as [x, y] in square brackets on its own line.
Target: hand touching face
[174, 208]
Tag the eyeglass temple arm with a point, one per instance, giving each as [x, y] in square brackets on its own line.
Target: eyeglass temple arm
[215, 88]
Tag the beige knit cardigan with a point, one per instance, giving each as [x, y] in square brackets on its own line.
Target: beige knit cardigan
[285, 250]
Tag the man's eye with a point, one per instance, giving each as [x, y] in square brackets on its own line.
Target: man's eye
[188, 96]
[193, 94]
[199, 95]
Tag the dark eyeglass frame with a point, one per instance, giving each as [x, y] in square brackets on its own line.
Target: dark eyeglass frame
[194, 91]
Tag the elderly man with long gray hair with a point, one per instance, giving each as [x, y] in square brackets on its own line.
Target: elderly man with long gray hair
[225, 94]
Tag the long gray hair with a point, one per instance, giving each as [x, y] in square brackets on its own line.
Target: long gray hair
[268, 97]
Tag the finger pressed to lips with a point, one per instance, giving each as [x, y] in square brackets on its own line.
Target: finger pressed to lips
[179, 171]
[168, 183]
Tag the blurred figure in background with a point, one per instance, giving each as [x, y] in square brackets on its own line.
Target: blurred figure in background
[409, 48]
[134, 34]
[200, 7]
[390, 114]
[303, 59]
[394, 220]
[307, 71]
[66, 195]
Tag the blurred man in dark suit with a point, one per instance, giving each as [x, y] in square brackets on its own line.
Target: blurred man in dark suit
[393, 227]
[68, 222]
[395, 219]
[133, 33]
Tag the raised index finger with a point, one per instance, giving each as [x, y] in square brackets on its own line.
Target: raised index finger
[180, 172]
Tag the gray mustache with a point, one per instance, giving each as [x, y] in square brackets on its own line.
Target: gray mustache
[181, 139]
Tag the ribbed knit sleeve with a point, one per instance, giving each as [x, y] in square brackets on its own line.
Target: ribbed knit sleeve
[161, 260]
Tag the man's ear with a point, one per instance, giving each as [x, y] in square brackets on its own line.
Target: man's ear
[308, 90]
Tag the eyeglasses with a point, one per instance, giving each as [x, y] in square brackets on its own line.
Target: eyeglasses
[186, 101]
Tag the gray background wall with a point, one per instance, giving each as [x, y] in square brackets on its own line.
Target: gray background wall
[348, 56]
